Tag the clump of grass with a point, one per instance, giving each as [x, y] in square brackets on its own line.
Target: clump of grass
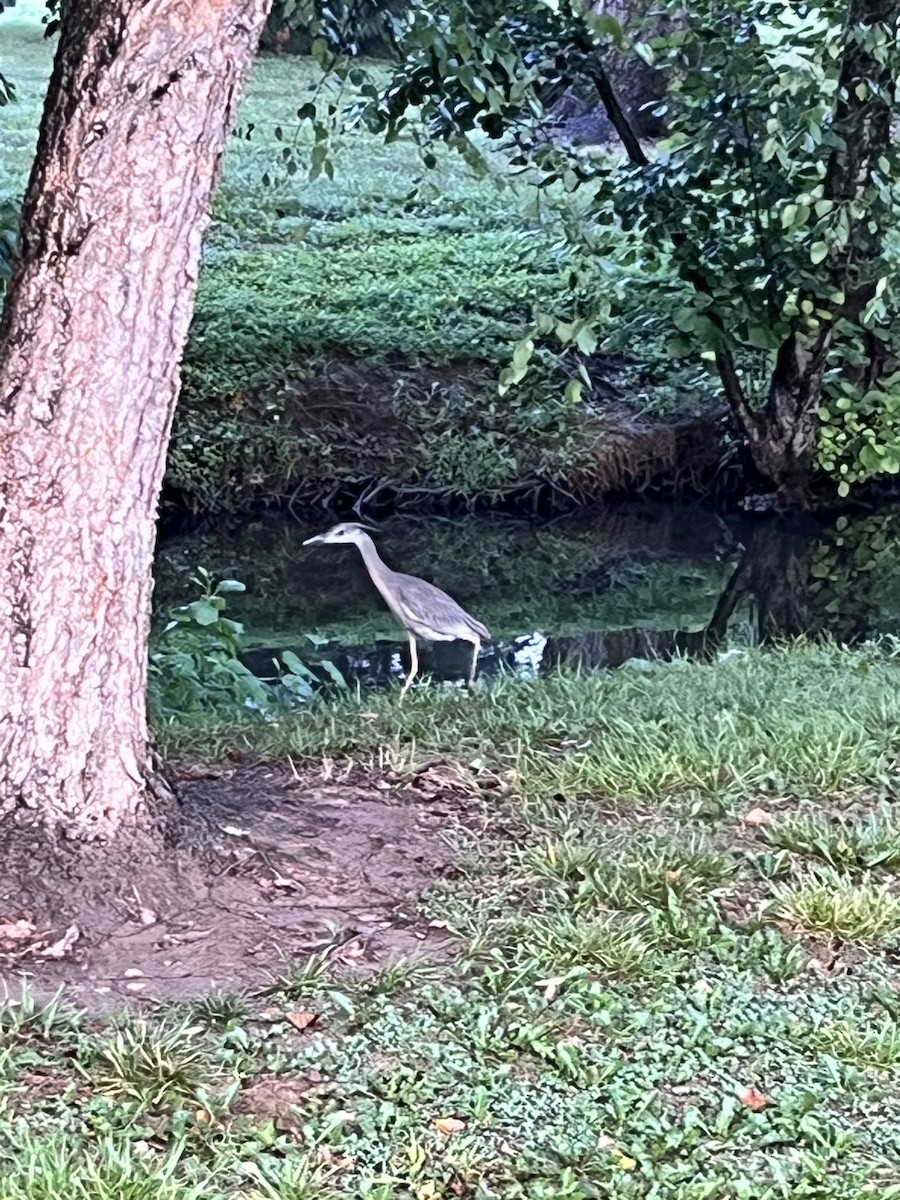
[871, 843]
[46, 1167]
[303, 980]
[152, 1064]
[830, 903]
[780, 958]
[220, 1010]
[875, 1045]
[649, 870]
[401, 975]
[605, 944]
[29, 1020]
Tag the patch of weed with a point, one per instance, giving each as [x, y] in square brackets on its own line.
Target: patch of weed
[825, 901]
[867, 844]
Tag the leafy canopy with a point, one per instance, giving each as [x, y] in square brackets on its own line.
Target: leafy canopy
[773, 198]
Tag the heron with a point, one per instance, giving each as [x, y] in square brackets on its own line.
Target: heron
[424, 611]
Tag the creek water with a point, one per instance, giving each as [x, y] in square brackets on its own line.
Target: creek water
[622, 583]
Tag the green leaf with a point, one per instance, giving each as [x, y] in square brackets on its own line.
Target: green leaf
[522, 353]
[225, 586]
[332, 671]
[843, 488]
[818, 252]
[574, 391]
[203, 612]
[586, 340]
[608, 26]
[295, 666]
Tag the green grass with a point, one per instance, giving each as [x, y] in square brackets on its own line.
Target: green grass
[869, 842]
[387, 263]
[650, 998]
[830, 903]
[25, 58]
[807, 720]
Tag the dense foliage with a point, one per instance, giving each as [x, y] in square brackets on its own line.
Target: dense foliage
[773, 197]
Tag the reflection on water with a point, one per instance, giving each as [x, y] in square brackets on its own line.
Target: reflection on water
[624, 583]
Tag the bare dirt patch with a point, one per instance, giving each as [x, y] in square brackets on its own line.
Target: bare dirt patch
[275, 863]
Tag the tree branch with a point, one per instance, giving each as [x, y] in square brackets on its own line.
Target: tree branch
[734, 394]
[614, 110]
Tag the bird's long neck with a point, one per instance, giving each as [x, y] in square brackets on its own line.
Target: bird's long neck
[378, 570]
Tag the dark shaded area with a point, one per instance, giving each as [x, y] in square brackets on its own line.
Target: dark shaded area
[784, 579]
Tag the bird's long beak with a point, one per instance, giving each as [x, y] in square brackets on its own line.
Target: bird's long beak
[320, 537]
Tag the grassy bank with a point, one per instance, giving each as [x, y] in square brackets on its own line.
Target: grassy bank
[349, 333]
[675, 920]
[804, 720]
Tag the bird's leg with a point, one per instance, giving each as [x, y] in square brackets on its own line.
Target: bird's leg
[476, 646]
[413, 665]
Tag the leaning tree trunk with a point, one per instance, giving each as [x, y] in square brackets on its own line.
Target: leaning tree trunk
[142, 95]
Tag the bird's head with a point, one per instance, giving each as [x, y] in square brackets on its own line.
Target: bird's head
[348, 531]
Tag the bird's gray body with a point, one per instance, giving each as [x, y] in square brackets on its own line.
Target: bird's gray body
[424, 611]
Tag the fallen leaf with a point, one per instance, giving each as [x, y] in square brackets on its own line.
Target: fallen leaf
[757, 816]
[132, 973]
[147, 915]
[672, 877]
[752, 1098]
[627, 1163]
[14, 931]
[303, 1019]
[61, 948]
[449, 1125]
[352, 950]
[282, 881]
[551, 986]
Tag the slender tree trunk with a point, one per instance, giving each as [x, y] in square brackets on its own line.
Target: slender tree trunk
[142, 96]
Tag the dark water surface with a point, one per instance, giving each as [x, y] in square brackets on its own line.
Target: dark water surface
[619, 583]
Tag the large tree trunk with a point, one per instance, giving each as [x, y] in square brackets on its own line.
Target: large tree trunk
[142, 96]
[783, 437]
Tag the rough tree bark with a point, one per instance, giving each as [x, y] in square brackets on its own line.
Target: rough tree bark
[140, 102]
